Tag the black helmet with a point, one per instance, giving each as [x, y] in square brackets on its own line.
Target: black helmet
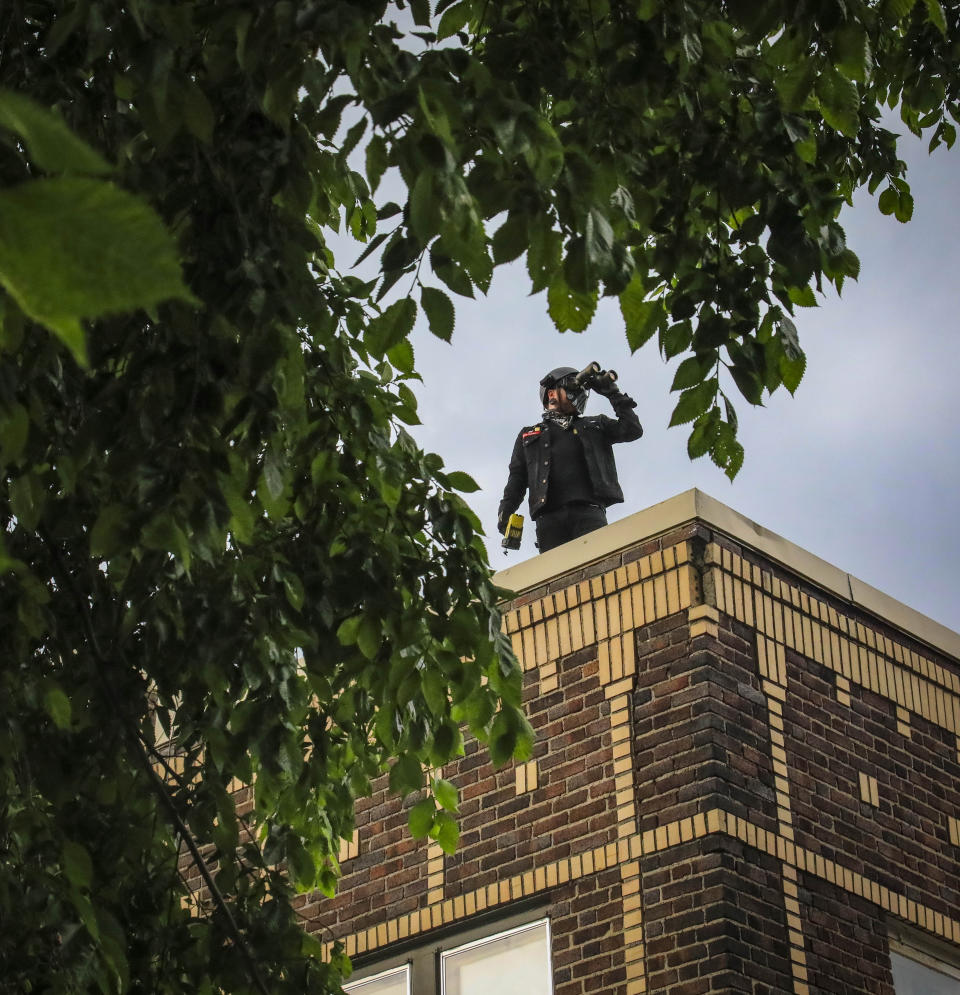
[565, 377]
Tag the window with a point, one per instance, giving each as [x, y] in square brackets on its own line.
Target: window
[921, 966]
[516, 962]
[509, 956]
[393, 982]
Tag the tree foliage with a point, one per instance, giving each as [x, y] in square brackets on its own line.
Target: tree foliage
[224, 559]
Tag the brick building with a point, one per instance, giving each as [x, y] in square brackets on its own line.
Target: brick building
[746, 779]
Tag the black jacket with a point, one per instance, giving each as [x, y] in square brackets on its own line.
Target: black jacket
[531, 451]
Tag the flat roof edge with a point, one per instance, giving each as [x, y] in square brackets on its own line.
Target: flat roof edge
[695, 505]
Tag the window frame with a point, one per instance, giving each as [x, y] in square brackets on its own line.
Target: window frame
[422, 953]
[544, 921]
[358, 983]
[928, 951]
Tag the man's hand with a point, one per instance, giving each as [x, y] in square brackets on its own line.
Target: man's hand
[502, 521]
[604, 385]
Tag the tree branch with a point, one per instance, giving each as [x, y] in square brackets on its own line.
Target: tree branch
[135, 744]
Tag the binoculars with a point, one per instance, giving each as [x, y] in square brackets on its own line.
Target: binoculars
[591, 375]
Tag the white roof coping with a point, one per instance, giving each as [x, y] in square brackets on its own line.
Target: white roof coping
[694, 505]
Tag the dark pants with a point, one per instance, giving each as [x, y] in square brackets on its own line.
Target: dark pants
[557, 527]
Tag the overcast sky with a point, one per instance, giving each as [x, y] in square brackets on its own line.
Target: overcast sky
[859, 468]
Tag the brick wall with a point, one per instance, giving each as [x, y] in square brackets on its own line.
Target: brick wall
[738, 780]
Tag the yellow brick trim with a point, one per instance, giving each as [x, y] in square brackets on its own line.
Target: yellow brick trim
[634, 946]
[349, 848]
[698, 612]
[869, 792]
[704, 627]
[627, 853]
[858, 652]
[434, 874]
[526, 777]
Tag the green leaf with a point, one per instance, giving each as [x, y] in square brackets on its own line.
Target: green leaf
[789, 338]
[401, 356]
[27, 499]
[376, 161]
[523, 749]
[106, 536]
[795, 83]
[765, 331]
[446, 832]
[14, 429]
[543, 255]
[163, 533]
[598, 239]
[348, 629]
[903, 212]
[703, 433]
[434, 691]
[352, 137]
[692, 47]
[731, 413]
[11, 325]
[452, 274]
[503, 741]
[420, 9]
[426, 214]
[694, 402]
[368, 636]
[391, 327]
[510, 239]
[197, 112]
[85, 912]
[242, 518]
[792, 370]
[439, 311]
[889, 200]
[75, 248]
[897, 10]
[852, 52]
[847, 263]
[273, 473]
[570, 309]
[300, 864]
[581, 275]
[454, 18]
[77, 865]
[58, 708]
[50, 144]
[725, 451]
[545, 155]
[839, 102]
[748, 383]
[732, 459]
[690, 372]
[802, 296]
[676, 338]
[936, 16]
[807, 150]
[406, 775]
[461, 481]
[446, 794]
[293, 588]
[113, 943]
[642, 318]
[420, 818]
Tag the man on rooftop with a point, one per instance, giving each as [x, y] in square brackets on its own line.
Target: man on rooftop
[566, 459]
